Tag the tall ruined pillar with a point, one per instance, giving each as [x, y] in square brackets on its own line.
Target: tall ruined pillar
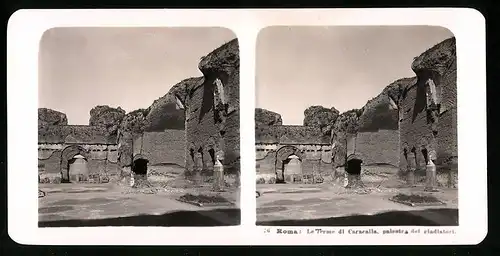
[198, 167]
[218, 178]
[430, 173]
[433, 109]
[411, 167]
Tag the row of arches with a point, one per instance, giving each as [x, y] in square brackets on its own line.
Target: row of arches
[201, 163]
[412, 159]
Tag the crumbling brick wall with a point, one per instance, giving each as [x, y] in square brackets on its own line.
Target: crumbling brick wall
[415, 131]
[308, 143]
[266, 160]
[377, 139]
[380, 147]
[212, 112]
[428, 111]
[159, 148]
[56, 143]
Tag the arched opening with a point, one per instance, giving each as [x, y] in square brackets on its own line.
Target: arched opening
[200, 151]
[405, 154]
[140, 167]
[77, 169]
[288, 165]
[415, 157]
[212, 155]
[353, 170]
[353, 166]
[292, 169]
[74, 164]
[425, 154]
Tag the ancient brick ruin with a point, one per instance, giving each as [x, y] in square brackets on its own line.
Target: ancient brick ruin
[428, 115]
[292, 154]
[76, 153]
[91, 154]
[212, 114]
[411, 122]
[181, 132]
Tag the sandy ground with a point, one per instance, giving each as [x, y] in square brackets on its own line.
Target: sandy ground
[329, 204]
[110, 204]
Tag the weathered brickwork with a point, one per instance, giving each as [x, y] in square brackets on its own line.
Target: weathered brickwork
[401, 126]
[428, 113]
[380, 147]
[183, 130]
[54, 160]
[162, 148]
[212, 113]
[279, 142]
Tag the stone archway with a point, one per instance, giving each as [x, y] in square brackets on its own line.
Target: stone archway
[68, 157]
[140, 167]
[78, 169]
[292, 168]
[353, 170]
[288, 163]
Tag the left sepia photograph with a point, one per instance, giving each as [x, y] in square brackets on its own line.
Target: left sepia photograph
[138, 127]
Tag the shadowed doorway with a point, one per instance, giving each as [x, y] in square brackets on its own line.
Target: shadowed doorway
[353, 169]
[140, 169]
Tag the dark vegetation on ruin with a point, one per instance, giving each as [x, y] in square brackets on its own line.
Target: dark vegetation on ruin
[51, 117]
[414, 198]
[203, 199]
[321, 118]
[265, 117]
[291, 134]
[222, 60]
[80, 133]
[438, 58]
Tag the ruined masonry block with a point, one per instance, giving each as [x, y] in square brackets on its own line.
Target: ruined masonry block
[272, 180]
[218, 177]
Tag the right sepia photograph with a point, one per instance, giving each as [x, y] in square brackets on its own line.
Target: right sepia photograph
[356, 126]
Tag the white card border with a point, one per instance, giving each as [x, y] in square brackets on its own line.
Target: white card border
[26, 27]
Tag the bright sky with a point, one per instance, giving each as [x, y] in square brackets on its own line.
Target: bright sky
[343, 67]
[80, 68]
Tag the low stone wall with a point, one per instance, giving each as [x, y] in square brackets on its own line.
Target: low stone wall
[56, 178]
[50, 177]
[268, 178]
[444, 179]
[308, 178]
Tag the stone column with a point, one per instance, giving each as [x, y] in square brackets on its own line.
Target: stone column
[64, 174]
[354, 181]
[132, 179]
[218, 178]
[198, 179]
[345, 180]
[410, 170]
[430, 173]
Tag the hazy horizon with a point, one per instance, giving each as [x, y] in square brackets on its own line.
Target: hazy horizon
[336, 66]
[80, 68]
